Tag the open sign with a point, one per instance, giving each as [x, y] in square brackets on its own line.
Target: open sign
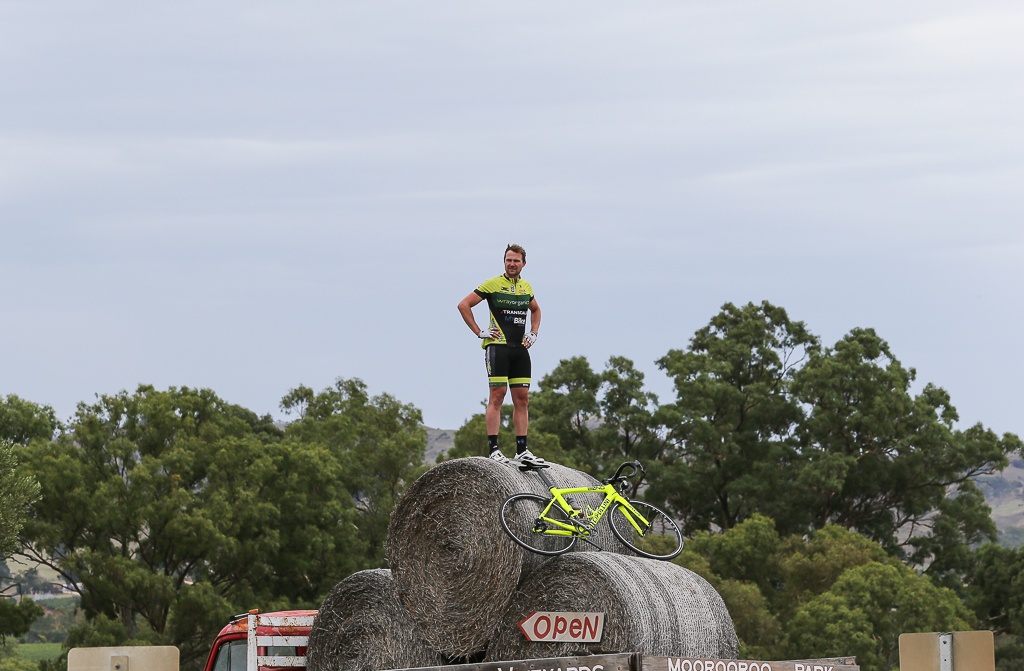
[576, 627]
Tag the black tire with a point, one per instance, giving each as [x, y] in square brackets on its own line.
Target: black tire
[519, 517]
[662, 540]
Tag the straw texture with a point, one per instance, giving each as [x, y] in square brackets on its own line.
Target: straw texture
[652, 607]
[362, 626]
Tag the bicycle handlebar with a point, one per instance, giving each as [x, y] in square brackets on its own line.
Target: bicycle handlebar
[636, 467]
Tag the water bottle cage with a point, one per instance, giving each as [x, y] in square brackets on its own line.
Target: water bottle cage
[581, 517]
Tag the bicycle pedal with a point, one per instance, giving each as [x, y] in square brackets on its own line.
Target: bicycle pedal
[531, 467]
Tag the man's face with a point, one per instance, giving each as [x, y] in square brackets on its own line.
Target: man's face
[513, 263]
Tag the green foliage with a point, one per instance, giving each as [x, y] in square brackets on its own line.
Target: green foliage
[793, 446]
[743, 565]
[18, 664]
[995, 587]
[16, 617]
[58, 664]
[866, 610]
[22, 421]
[768, 421]
[17, 492]
[104, 632]
[884, 462]
[59, 616]
[810, 565]
[31, 581]
[566, 405]
[601, 420]
[757, 627]
[378, 444]
[630, 425]
[173, 510]
[748, 552]
[834, 593]
[1009, 652]
[733, 425]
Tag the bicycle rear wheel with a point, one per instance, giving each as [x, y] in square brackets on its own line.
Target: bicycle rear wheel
[520, 518]
[660, 538]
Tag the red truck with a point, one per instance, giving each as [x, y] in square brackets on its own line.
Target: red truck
[262, 642]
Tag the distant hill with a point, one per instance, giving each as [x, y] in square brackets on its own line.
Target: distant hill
[438, 441]
[1004, 492]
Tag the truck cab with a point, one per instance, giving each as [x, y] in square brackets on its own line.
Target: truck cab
[262, 642]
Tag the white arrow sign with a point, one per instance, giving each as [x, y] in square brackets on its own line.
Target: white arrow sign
[577, 627]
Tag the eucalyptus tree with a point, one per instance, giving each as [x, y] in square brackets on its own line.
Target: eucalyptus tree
[21, 422]
[890, 463]
[733, 427]
[767, 420]
[378, 442]
[170, 510]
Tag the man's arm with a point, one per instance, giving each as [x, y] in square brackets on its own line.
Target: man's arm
[466, 310]
[534, 320]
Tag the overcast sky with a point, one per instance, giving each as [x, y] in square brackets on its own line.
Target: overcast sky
[249, 196]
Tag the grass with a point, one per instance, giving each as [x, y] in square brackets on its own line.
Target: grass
[37, 652]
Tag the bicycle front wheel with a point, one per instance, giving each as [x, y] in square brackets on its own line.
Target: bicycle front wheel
[658, 538]
[521, 520]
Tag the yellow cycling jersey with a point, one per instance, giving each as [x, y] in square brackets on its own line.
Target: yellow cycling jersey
[508, 303]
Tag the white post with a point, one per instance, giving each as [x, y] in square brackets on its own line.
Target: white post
[250, 655]
[945, 652]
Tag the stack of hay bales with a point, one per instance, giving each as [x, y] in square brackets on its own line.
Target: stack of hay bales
[454, 567]
[462, 585]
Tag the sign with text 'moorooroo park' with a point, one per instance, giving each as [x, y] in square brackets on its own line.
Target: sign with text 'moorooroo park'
[634, 661]
[575, 627]
[651, 663]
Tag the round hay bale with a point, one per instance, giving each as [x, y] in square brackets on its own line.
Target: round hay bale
[651, 607]
[362, 626]
[454, 567]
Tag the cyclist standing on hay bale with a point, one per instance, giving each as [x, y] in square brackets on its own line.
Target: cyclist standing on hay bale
[506, 343]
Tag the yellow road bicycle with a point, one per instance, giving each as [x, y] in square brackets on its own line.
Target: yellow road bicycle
[552, 525]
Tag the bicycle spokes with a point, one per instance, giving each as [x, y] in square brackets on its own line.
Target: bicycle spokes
[529, 521]
[646, 530]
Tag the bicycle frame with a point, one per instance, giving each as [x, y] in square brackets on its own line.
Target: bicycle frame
[587, 522]
[641, 527]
